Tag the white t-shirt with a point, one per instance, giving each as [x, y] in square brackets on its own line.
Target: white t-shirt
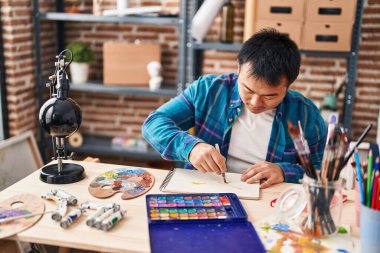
[249, 139]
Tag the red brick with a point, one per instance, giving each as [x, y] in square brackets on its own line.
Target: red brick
[370, 2]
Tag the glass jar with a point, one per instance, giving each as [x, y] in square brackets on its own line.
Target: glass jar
[314, 208]
[324, 207]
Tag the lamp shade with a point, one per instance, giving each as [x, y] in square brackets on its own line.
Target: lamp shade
[60, 117]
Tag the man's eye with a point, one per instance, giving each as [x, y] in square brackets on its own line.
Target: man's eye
[269, 97]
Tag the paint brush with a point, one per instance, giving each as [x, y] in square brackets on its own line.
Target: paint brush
[361, 138]
[223, 174]
[6, 220]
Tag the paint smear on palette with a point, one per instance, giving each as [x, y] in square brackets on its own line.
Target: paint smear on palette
[197, 183]
[4, 213]
[286, 240]
[131, 182]
[281, 238]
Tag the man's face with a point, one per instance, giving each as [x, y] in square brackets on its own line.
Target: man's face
[256, 94]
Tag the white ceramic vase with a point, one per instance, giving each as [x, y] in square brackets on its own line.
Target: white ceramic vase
[79, 72]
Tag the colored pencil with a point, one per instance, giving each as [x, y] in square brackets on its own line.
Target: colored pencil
[369, 178]
[378, 195]
[375, 184]
[359, 174]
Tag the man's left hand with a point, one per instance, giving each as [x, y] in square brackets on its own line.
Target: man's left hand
[263, 170]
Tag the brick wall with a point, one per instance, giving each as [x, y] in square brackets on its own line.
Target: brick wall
[17, 36]
[123, 115]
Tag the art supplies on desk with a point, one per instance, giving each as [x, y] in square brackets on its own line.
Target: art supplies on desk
[62, 200]
[106, 216]
[132, 182]
[323, 191]
[209, 222]
[20, 205]
[192, 181]
[368, 181]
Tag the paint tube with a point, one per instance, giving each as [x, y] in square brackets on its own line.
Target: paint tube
[60, 211]
[98, 221]
[108, 223]
[91, 220]
[72, 200]
[71, 217]
[51, 196]
[97, 205]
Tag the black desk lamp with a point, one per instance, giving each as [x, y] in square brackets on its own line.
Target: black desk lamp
[60, 116]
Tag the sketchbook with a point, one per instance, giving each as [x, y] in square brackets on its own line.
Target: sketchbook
[192, 181]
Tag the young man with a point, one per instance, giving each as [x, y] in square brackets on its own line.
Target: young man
[246, 115]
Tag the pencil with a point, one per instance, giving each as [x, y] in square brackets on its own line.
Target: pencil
[359, 174]
[375, 184]
[378, 195]
[369, 178]
[223, 174]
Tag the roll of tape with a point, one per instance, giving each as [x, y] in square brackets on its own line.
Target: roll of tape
[76, 140]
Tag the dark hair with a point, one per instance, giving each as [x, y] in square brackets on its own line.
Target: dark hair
[272, 55]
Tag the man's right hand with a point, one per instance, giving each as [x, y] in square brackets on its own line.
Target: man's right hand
[206, 158]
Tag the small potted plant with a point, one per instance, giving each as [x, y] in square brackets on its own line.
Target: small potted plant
[82, 57]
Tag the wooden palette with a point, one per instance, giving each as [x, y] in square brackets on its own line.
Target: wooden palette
[20, 205]
[132, 182]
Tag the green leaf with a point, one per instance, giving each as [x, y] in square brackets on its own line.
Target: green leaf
[342, 230]
[81, 52]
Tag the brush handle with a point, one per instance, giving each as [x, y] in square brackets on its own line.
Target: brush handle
[361, 138]
[6, 220]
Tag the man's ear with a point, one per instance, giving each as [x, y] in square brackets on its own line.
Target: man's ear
[238, 69]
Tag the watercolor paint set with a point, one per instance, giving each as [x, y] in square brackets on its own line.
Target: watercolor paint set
[193, 207]
[199, 223]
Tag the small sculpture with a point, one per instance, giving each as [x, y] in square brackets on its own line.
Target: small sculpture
[154, 71]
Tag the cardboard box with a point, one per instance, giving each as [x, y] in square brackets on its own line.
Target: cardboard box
[125, 64]
[327, 36]
[291, 28]
[249, 18]
[331, 11]
[280, 10]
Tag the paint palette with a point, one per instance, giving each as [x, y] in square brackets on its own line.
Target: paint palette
[194, 207]
[132, 182]
[200, 223]
[17, 205]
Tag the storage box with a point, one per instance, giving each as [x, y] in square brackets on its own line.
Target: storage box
[126, 64]
[249, 18]
[291, 28]
[280, 10]
[331, 10]
[326, 36]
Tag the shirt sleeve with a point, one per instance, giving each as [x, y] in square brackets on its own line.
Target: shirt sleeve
[317, 141]
[166, 128]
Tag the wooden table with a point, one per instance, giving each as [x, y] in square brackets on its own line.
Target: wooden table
[130, 235]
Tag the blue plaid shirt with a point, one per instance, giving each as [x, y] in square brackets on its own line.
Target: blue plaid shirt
[212, 104]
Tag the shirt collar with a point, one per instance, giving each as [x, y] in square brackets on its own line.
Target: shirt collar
[235, 100]
[281, 107]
